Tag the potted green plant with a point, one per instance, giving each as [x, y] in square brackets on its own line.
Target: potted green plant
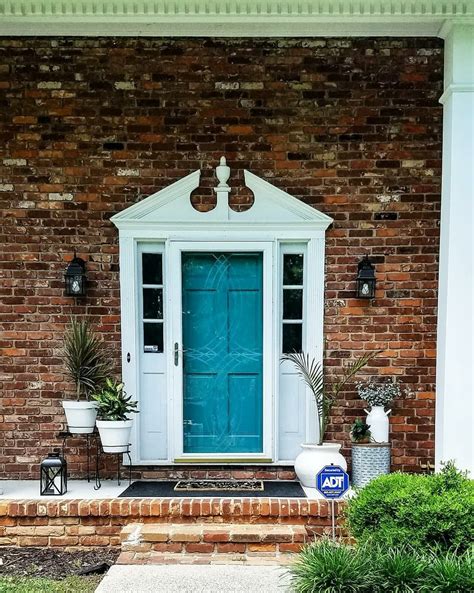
[360, 431]
[369, 459]
[86, 363]
[317, 455]
[114, 408]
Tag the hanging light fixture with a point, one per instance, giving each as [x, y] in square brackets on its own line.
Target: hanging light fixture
[366, 279]
[75, 277]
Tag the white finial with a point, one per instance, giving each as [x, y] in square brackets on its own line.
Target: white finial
[223, 174]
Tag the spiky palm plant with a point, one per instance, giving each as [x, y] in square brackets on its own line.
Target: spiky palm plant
[311, 372]
[85, 358]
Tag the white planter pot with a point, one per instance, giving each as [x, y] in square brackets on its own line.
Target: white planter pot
[313, 458]
[114, 435]
[377, 419]
[80, 416]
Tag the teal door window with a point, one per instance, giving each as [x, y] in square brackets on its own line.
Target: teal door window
[222, 352]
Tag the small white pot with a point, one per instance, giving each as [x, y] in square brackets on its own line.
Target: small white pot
[114, 435]
[80, 416]
[312, 460]
[377, 419]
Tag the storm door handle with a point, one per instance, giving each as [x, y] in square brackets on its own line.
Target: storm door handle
[176, 354]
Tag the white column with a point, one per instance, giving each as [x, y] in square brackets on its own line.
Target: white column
[454, 437]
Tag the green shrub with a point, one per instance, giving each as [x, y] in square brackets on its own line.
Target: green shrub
[330, 568]
[423, 512]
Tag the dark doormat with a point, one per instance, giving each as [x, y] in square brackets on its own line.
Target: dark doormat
[165, 489]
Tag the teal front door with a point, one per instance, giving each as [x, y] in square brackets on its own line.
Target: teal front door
[222, 352]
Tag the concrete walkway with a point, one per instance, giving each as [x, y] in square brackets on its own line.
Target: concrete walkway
[210, 578]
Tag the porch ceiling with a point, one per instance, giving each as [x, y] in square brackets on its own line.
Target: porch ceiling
[256, 18]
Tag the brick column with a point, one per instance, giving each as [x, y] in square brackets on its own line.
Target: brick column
[455, 361]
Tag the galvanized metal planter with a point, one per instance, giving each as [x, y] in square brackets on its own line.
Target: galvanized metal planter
[369, 460]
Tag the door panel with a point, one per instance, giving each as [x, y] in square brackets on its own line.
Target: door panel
[222, 352]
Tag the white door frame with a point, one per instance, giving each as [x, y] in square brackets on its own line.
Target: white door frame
[167, 217]
[175, 373]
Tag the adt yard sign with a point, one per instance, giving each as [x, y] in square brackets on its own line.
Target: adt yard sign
[332, 481]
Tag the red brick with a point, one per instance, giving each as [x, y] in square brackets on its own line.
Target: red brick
[200, 548]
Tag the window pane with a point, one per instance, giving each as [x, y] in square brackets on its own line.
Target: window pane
[152, 268]
[292, 337]
[293, 304]
[152, 303]
[153, 337]
[293, 268]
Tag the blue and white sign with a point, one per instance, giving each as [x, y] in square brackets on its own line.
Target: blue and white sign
[332, 481]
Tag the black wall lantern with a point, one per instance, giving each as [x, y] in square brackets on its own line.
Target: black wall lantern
[53, 475]
[366, 279]
[75, 277]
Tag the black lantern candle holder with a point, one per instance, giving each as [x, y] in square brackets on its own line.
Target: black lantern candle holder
[53, 475]
[366, 279]
[75, 277]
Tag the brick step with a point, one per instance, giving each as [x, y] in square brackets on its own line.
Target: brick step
[144, 541]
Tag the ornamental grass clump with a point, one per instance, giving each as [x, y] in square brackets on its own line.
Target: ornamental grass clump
[450, 572]
[378, 394]
[332, 567]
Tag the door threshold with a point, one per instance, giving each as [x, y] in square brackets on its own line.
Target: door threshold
[239, 460]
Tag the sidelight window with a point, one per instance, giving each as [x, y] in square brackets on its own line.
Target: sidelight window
[152, 302]
[292, 309]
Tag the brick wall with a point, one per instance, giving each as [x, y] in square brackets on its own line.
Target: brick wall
[90, 126]
[92, 523]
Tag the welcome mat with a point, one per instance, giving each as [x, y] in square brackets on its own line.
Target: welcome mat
[218, 485]
[166, 489]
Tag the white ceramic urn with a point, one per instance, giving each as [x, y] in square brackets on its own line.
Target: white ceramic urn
[377, 419]
[313, 458]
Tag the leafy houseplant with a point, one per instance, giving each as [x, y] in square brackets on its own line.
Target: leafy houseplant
[360, 431]
[315, 456]
[86, 364]
[114, 408]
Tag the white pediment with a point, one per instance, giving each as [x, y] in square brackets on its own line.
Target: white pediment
[172, 205]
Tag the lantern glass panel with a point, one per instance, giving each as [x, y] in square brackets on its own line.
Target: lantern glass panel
[366, 288]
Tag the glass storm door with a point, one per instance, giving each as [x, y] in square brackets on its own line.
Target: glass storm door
[222, 352]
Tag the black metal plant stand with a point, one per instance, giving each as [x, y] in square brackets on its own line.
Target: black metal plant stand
[100, 452]
[89, 436]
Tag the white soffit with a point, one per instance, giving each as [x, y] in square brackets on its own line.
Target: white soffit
[231, 18]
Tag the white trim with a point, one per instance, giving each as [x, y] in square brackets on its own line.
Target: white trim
[455, 88]
[255, 18]
[454, 437]
[168, 217]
